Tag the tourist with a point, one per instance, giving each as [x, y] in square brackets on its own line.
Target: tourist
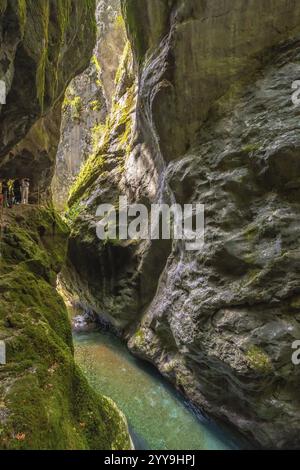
[17, 192]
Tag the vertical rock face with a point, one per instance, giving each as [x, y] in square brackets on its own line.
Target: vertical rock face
[214, 123]
[88, 100]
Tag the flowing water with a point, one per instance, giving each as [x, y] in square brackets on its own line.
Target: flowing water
[158, 416]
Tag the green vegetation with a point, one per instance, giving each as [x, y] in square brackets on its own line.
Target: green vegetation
[250, 148]
[258, 360]
[44, 397]
[120, 23]
[74, 103]
[96, 105]
[89, 173]
[123, 62]
[139, 338]
[42, 65]
[96, 63]
[64, 9]
[117, 131]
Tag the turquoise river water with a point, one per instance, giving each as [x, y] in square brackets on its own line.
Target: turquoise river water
[158, 417]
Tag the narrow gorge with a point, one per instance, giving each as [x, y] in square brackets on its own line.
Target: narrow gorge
[162, 102]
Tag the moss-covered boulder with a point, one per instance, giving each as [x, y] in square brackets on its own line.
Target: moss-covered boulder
[45, 402]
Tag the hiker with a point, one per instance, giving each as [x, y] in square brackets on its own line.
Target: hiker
[17, 192]
[10, 187]
[25, 190]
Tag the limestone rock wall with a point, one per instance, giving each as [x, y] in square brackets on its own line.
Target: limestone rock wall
[213, 123]
[88, 100]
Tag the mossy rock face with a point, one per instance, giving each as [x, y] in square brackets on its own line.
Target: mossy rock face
[45, 402]
[201, 51]
[214, 123]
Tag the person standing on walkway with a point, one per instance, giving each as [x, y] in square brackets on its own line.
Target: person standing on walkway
[25, 190]
[10, 186]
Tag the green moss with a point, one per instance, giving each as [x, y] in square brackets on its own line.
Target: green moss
[119, 22]
[123, 62]
[116, 132]
[251, 233]
[63, 13]
[89, 173]
[98, 131]
[96, 63]
[258, 360]
[73, 213]
[250, 148]
[22, 13]
[43, 61]
[46, 401]
[74, 103]
[95, 105]
[139, 338]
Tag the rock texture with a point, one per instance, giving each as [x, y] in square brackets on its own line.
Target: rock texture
[210, 120]
[88, 100]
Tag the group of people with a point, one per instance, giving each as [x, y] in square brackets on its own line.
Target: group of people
[13, 192]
